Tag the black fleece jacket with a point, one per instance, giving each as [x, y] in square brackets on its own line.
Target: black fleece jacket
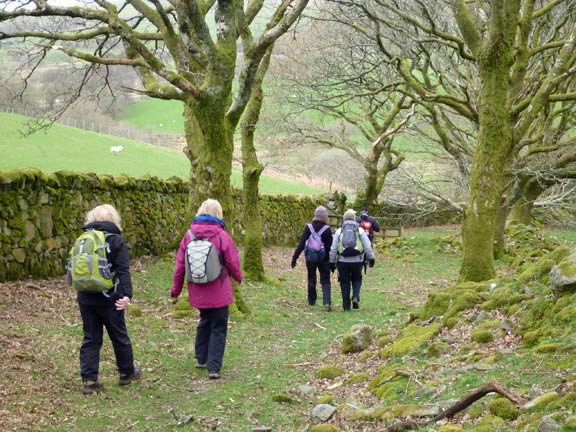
[119, 259]
[326, 239]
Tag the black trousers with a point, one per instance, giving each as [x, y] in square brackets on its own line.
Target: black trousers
[323, 268]
[94, 319]
[211, 337]
[350, 273]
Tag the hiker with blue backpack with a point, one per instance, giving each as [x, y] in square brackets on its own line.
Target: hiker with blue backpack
[350, 247]
[315, 242]
[99, 269]
[207, 258]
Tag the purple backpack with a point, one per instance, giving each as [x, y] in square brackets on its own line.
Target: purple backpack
[314, 249]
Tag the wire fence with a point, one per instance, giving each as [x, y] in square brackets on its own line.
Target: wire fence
[111, 128]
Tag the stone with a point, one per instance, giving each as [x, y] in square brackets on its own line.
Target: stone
[357, 339]
[540, 401]
[19, 254]
[29, 230]
[563, 275]
[323, 412]
[306, 389]
[548, 424]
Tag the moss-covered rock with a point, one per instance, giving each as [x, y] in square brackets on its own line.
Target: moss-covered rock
[357, 339]
[325, 399]
[503, 408]
[548, 348]
[450, 428]
[541, 401]
[329, 372]
[563, 275]
[492, 421]
[282, 398]
[134, 311]
[437, 349]
[323, 428]
[357, 378]
[412, 339]
[481, 336]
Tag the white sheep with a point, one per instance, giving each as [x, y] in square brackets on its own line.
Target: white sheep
[116, 149]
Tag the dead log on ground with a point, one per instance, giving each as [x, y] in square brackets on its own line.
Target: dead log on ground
[461, 405]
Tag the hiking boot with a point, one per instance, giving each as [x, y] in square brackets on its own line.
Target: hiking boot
[327, 307]
[127, 379]
[91, 387]
[201, 365]
[355, 304]
[213, 375]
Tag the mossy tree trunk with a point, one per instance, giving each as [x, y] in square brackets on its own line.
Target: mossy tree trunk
[529, 190]
[495, 57]
[251, 171]
[210, 146]
[382, 160]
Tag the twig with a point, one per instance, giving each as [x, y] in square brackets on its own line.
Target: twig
[319, 326]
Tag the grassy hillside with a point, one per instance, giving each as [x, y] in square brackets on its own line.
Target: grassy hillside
[62, 147]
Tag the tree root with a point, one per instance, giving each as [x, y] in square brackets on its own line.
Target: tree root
[477, 394]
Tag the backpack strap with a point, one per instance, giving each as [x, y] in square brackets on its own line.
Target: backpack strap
[311, 228]
[324, 228]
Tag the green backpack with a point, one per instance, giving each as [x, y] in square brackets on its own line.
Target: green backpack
[88, 267]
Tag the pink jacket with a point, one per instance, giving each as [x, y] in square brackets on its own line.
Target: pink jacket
[214, 294]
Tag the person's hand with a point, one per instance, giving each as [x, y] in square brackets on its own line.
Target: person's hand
[332, 267]
[371, 262]
[122, 303]
[293, 264]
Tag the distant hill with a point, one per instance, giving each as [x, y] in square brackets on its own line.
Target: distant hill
[62, 147]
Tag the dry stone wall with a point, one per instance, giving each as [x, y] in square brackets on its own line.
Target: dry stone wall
[41, 214]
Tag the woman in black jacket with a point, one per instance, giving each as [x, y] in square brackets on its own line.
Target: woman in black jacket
[319, 225]
[106, 309]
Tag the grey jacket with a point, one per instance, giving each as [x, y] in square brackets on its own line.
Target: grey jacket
[368, 252]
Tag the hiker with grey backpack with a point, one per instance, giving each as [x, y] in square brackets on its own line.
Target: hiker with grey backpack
[351, 246]
[99, 269]
[207, 259]
[315, 242]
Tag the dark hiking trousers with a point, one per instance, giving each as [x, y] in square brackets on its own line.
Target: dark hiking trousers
[350, 274]
[323, 268]
[94, 319]
[211, 337]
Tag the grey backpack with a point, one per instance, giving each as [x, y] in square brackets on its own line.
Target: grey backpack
[203, 263]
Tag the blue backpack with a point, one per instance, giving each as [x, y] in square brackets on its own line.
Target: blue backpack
[314, 249]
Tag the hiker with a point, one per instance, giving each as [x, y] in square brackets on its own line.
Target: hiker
[350, 247]
[106, 309]
[368, 223]
[210, 297]
[317, 256]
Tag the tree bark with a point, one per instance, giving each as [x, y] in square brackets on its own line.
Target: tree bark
[251, 171]
[530, 190]
[495, 143]
[210, 146]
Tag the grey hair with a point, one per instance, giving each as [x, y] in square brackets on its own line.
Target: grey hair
[210, 207]
[349, 215]
[104, 213]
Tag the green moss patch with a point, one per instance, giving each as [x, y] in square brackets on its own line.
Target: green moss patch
[329, 372]
[411, 340]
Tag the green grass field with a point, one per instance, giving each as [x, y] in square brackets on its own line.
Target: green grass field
[62, 147]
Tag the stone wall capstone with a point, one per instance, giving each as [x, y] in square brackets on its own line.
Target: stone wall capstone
[41, 215]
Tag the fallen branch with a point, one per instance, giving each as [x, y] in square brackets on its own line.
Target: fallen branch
[477, 394]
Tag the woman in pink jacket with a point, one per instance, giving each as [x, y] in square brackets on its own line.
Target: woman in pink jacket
[212, 298]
